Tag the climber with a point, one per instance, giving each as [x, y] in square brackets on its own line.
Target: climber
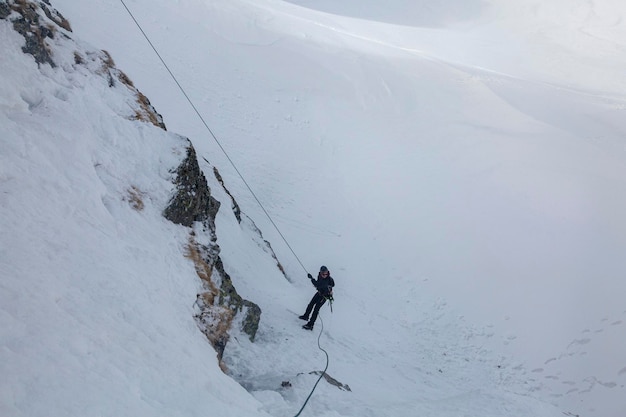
[324, 285]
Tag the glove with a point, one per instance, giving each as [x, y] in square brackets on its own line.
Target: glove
[310, 276]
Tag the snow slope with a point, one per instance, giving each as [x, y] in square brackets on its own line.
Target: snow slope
[94, 294]
[462, 175]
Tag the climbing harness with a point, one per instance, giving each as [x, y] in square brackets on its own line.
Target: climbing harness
[330, 300]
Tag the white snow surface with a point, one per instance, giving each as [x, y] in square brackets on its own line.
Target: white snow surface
[460, 168]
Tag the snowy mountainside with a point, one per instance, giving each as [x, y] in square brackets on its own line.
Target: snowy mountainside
[97, 292]
[443, 182]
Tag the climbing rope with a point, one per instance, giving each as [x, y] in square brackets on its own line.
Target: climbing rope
[323, 372]
[206, 125]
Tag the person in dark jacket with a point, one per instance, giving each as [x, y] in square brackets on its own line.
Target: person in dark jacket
[324, 285]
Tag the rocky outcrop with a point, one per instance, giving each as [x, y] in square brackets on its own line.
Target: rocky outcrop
[219, 304]
[28, 21]
[332, 381]
[193, 201]
[244, 219]
[230, 297]
[39, 23]
[234, 205]
[5, 11]
[143, 110]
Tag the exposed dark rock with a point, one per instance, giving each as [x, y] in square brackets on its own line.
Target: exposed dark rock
[220, 302]
[78, 59]
[5, 11]
[34, 27]
[251, 320]
[230, 297]
[34, 31]
[234, 204]
[145, 111]
[219, 306]
[56, 17]
[333, 381]
[241, 217]
[193, 201]
[214, 321]
[148, 112]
